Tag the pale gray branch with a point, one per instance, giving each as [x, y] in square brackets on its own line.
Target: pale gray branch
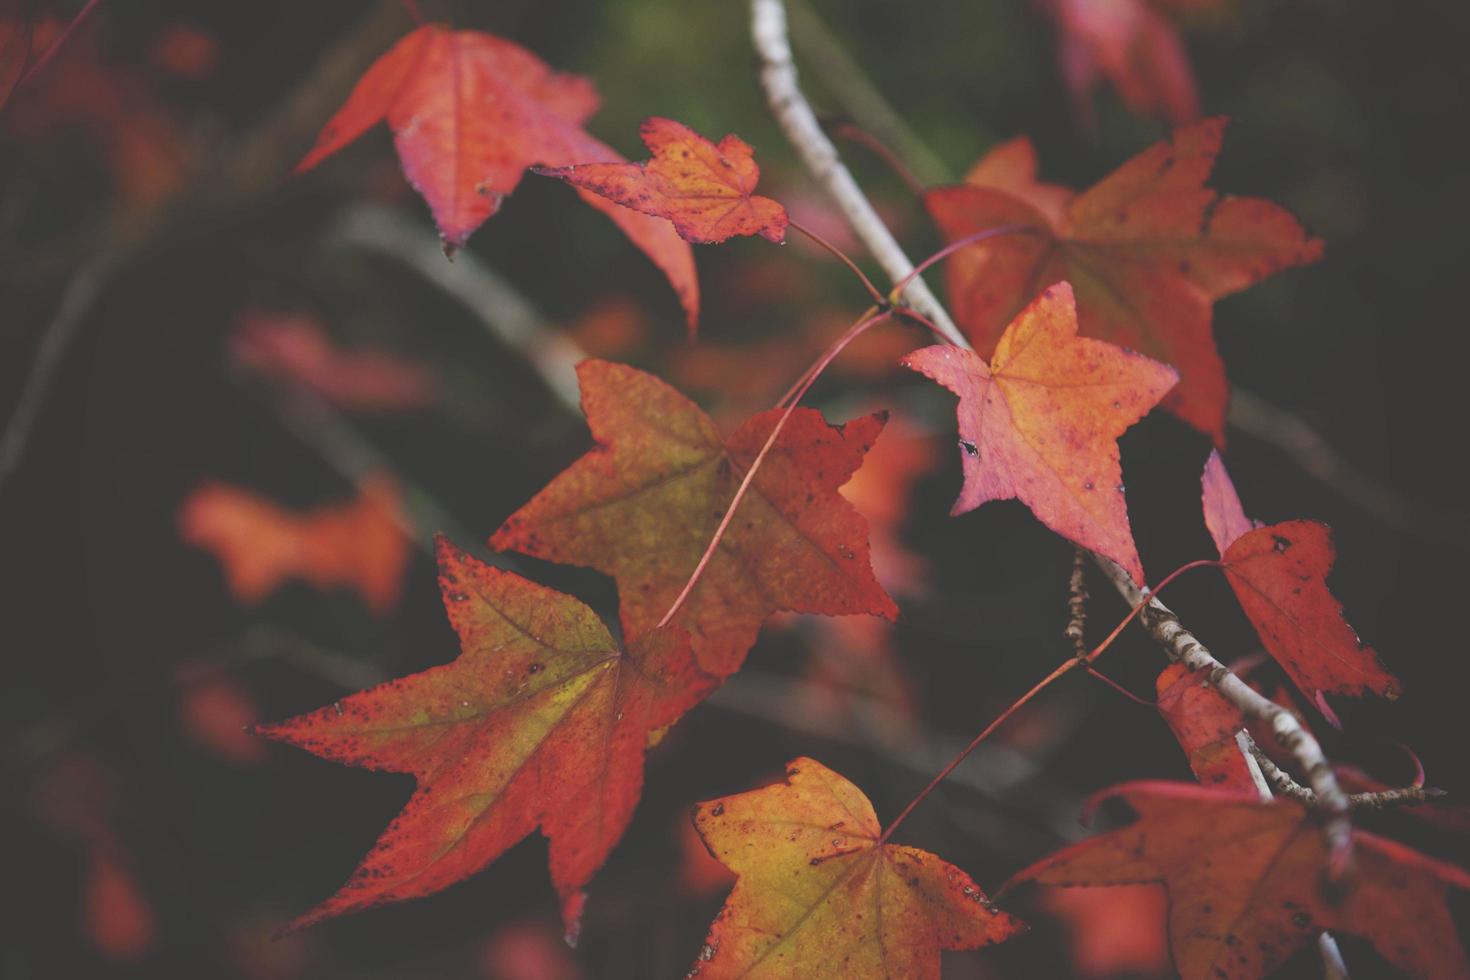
[799, 123]
[794, 113]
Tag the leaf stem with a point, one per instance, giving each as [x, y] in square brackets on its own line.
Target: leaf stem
[852, 132]
[50, 53]
[842, 257]
[955, 246]
[1069, 664]
[1190, 566]
[870, 318]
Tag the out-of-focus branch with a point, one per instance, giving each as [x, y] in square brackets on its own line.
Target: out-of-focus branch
[234, 179]
[1304, 446]
[506, 314]
[861, 100]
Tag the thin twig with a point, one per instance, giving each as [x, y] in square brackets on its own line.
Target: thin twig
[862, 102]
[77, 300]
[1077, 604]
[1182, 647]
[794, 113]
[1305, 447]
[50, 53]
[1283, 783]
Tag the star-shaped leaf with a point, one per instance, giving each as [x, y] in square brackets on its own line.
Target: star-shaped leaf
[1041, 421]
[643, 505]
[470, 112]
[707, 190]
[820, 895]
[1248, 887]
[1148, 251]
[542, 721]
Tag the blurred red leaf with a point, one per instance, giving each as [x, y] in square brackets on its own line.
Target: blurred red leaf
[359, 544]
[117, 918]
[215, 710]
[296, 348]
[1118, 931]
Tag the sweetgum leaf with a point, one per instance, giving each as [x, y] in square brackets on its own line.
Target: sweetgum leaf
[1279, 575]
[707, 190]
[542, 721]
[818, 895]
[1041, 421]
[1148, 250]
[1247, 883]
[469, 113]
[643, 505]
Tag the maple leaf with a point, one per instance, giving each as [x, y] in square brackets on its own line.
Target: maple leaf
[1148, 250]
[470, 112]
[643, 505]
[1041, 421]
[1114, 932]
[541, 722]
[1279, 575]
[1135, 46]
[359, 544]
[820, 894]
[1205, 724]
[1246, 882]
[706, 190]
[295, 347]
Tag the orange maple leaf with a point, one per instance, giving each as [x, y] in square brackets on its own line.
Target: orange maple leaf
[706, 190]
[542, 721]
[470, 112]
[1279, 575]
[644, 503]
[359, 544]
[821, 894]
[1148, 250]
[1041, 421]
[1246, 882]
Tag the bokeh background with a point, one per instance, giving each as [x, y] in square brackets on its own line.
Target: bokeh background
[145, 193]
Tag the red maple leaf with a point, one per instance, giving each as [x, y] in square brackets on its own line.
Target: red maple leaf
[1148, 250]
[1247, 883]
[644, 503]
[1041, 421]
[542, 721]
[1279, 574]
[1205, 725]
[470, 112]
[706, 190]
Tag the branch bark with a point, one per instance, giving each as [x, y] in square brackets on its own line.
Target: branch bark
[797, 120]
[799, 123]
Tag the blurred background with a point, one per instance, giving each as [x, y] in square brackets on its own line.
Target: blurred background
[258, 396]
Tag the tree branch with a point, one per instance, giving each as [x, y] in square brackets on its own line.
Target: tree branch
[794, 113]
[799, 123]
